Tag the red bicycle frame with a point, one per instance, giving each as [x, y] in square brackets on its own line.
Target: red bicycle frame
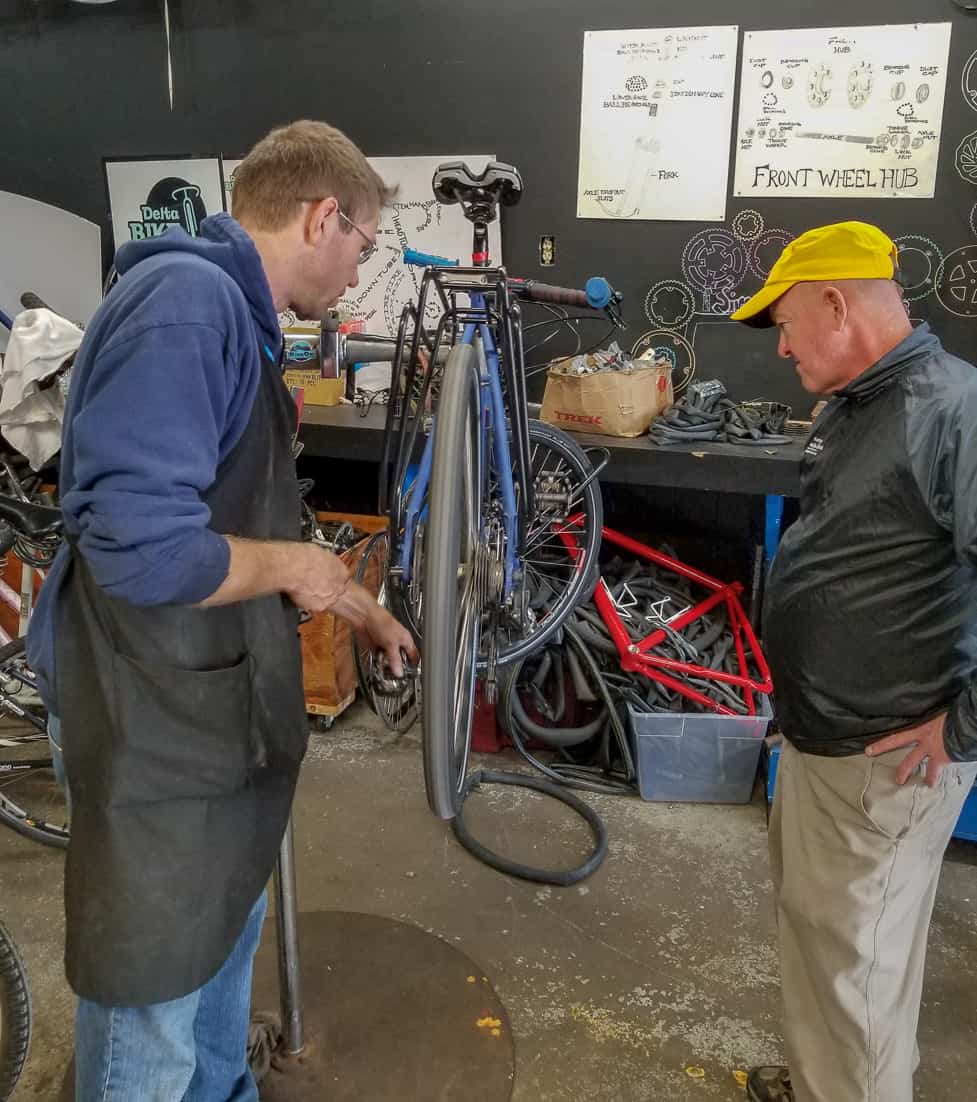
[641, 658]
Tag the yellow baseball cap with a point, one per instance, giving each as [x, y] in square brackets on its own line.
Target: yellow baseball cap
[846, 250]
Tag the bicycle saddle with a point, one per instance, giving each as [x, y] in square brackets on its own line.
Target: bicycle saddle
[454, 182]
[34, 521]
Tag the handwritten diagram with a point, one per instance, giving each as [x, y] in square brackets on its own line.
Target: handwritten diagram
[843, 112]
[656, 120]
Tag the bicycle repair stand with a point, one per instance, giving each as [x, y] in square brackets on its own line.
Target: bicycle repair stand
[373, 1008]
[287, 928]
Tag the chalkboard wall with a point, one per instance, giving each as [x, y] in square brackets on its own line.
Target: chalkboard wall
[81, 82]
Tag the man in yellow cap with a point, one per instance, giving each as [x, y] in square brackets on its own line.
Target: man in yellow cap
[870, 624]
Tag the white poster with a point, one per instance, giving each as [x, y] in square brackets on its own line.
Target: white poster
[415, 221]
[842, 112]
[655, 123]
[228, 165]
[147, 197]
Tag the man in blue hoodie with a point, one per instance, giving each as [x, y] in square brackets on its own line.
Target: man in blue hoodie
[166, 636]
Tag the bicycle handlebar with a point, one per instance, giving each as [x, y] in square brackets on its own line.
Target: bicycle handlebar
[598, 294]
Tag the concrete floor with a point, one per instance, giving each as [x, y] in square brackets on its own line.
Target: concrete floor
[656, 979]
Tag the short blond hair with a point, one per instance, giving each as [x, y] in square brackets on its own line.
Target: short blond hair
[302, 161]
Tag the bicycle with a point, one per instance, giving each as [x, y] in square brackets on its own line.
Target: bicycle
[15, 1014]
[477, 567]
[31, 801]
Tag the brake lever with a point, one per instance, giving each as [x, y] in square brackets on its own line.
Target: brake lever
[613, 310]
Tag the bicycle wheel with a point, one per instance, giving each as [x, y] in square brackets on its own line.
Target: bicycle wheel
[395, 702]
[453, 564]
[555, 581]
[15, 1015]
[31, 800]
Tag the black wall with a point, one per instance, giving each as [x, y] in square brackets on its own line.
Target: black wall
[79, 83]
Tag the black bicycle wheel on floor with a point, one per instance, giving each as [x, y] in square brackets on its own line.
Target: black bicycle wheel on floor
[394, 702]
[453, 584]
[15, 1015]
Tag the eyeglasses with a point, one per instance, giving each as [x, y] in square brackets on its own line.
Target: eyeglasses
[369, 249]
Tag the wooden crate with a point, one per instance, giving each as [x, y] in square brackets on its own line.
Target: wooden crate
[329, 672]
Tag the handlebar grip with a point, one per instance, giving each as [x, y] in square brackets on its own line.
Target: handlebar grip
[30, 301]
[546, 292]
[427, 260]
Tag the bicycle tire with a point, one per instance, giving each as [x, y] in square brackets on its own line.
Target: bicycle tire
[12, 813]
[398, 711]
[15, 1015]
[37, 830]
[584, 577]
[452, 609]
[561, 878]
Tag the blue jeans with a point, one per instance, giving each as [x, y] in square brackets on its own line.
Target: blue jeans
[192, 1049]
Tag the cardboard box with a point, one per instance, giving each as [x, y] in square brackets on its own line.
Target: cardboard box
[611, 403]
[318, 391]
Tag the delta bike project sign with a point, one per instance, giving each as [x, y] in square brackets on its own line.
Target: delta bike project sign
[148, 197]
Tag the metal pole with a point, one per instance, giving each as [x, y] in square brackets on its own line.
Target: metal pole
[286, 916]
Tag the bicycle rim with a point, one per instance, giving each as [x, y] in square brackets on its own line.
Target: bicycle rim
[31, 800]
[555, 581]
[452, 585]
[15, 1015]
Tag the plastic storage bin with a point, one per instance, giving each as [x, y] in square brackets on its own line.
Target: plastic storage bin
[965, 829]
[696, 758]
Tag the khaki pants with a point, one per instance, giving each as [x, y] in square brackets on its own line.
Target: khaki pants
[856, 860]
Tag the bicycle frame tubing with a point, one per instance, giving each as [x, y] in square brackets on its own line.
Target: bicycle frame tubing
[491, 305]
[639, 657]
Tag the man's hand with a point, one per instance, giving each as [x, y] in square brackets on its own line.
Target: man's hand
[928, 742]
[320, 580]
[389, 636]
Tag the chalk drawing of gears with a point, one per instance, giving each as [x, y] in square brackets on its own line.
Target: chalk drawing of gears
[967, 158]
[968, 84]
[973, 219]
[714, 263]
[861, 80]
[920, 259]
[956, 282]
[819, 85]
[670, 304]
[674, 349]
[748, 225]
[765, 250]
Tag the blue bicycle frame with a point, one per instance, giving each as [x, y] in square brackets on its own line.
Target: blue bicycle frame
[493, 416]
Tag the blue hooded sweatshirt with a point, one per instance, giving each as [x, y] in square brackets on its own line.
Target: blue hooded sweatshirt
[162, 389]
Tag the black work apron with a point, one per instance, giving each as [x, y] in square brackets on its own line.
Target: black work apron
[183, 733]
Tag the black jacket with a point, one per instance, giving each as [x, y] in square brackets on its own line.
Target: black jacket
[870, 618]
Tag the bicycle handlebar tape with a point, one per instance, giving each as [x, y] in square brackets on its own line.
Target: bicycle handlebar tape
[427, 260]
[559, 296]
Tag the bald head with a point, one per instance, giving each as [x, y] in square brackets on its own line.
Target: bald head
[836, 331]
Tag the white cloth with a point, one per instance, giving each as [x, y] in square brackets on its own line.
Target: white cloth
[31, 418]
